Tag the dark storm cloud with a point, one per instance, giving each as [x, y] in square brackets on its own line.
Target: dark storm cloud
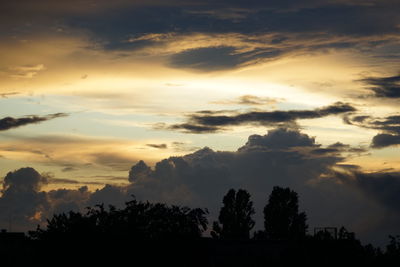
[217, 58]
[205, 123]
[385, 87]
[389, 127]
[10, 122]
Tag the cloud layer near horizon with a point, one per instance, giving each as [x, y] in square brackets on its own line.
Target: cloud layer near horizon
[282, 157]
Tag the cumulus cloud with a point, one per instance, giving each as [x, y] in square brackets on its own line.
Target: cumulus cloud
[280, 138]
[25, 179]
[283, 157]
[22, 203]
[10, 122]
[206, 122]
[262, 162]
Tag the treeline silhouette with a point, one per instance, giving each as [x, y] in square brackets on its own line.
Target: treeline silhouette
[156, 234]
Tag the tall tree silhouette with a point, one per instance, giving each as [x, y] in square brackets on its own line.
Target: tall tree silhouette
[282, 219]
[235, 217]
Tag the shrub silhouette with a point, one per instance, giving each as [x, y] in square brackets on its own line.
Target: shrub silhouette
[235, 217]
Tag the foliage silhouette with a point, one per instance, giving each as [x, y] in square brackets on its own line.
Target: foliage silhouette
[141, 220]
[393, 250]
[158, 234]
[282, 219]
[235, 217]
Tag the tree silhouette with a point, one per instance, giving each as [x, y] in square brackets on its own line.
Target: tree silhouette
[141, 220]
[282, 219]
[393, 250]
[235, 217]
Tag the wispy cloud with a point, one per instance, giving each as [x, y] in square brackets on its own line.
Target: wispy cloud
[250, 100]
[206, 122]
[25, 71]
[159, 146]
[389, 127]
[10, 122]
[384, 87]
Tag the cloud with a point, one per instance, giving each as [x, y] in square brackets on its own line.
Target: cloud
[250, 100]
[282, 157]
[70, 152]
[183, 147]
[139, 171]
[6, 95]
[64, 200]
[389, 127]
[207, 122]
[279, 138]
[338, 17]
[165, 29]
[25, 71]
[25, 179]
[10, 122]
[68, 169]
[218, 58]
[384, 87]
[112, 159]
[110, 195]
[22, 203]
[159, 146]
[385, 140]
[384, 187]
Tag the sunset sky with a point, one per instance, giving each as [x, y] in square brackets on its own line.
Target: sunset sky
[90, 88]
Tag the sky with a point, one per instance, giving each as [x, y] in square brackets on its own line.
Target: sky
[179, 101]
